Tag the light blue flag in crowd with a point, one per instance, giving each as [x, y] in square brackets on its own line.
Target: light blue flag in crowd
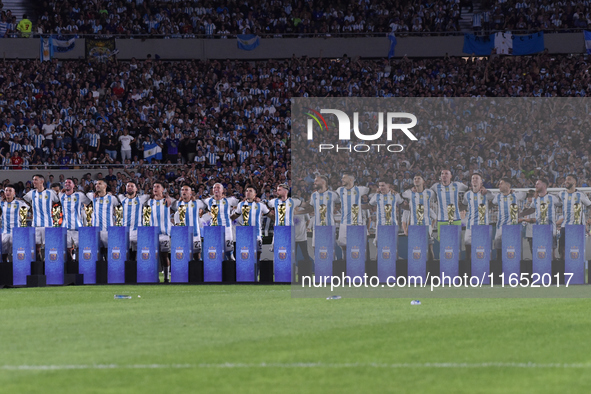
[587, 41]
[528, 44]
[152, 152]
[248, 42]
[45, 50]
[393, 42]
[62, 44]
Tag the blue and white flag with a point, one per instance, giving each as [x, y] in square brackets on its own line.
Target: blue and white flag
[152, 152]
[248, 42]
[45, 50]
[504, 43]
[587, 41]
[393, 42]
[62, 44]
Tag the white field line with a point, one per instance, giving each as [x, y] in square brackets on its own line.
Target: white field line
[528, 365]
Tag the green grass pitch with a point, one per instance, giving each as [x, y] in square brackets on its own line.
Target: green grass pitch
[257, 339]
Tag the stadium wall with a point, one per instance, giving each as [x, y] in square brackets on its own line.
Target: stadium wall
[369, 47]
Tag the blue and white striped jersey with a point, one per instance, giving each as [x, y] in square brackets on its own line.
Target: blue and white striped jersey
[380, 201]
[41, 202]
[553, 202]
[447, 195]
[132, 210]
[349, 198]
[420, 198]
[10, 216]
[328, 199]
[103, 214]
[568, 209]
[73, 212]
[225, 209]
[290, 205]
[161, 215]
[191, 215]
[257, 210]
[504, 202]
[473, 201]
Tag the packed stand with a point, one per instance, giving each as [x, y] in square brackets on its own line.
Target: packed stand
[533, 15]
[231, 121]
[268, 18]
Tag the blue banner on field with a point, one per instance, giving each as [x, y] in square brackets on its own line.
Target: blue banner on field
[246, 253]
[387, 246]
[23, 252]
[88, 251]
[449, 252]
[213, 252]
[574, 251]
[148, 254]
[323, 251]
[181, 250]
[55, 251]
[481, 247]
[356, 248]
[511, 251]
[283, 249]
[417, 253]
[542, 249]
[118, 245]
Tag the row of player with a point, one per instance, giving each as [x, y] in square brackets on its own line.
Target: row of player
[164, 211]
[419, 201]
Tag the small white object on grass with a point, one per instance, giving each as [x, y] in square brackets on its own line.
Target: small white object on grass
[139, 296]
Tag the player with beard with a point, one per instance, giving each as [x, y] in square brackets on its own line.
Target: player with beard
[41, 200]
[103, 213]
[473, 199]
[73, 213]
[569, 198]
[193, 207]
[132, 204]
[161, 204]
[224, 206]
[350, 196]
[416, 196]
[447, 194]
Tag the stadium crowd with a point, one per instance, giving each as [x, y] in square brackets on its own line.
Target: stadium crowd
[268, 18]
[516, 15]
[231, 120]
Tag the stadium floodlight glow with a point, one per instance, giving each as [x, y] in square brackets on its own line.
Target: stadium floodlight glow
[345, 124]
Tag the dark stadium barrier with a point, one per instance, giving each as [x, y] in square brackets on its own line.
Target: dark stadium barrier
[196, 271]
[266, 271]
[228, 271]
[131, 272]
